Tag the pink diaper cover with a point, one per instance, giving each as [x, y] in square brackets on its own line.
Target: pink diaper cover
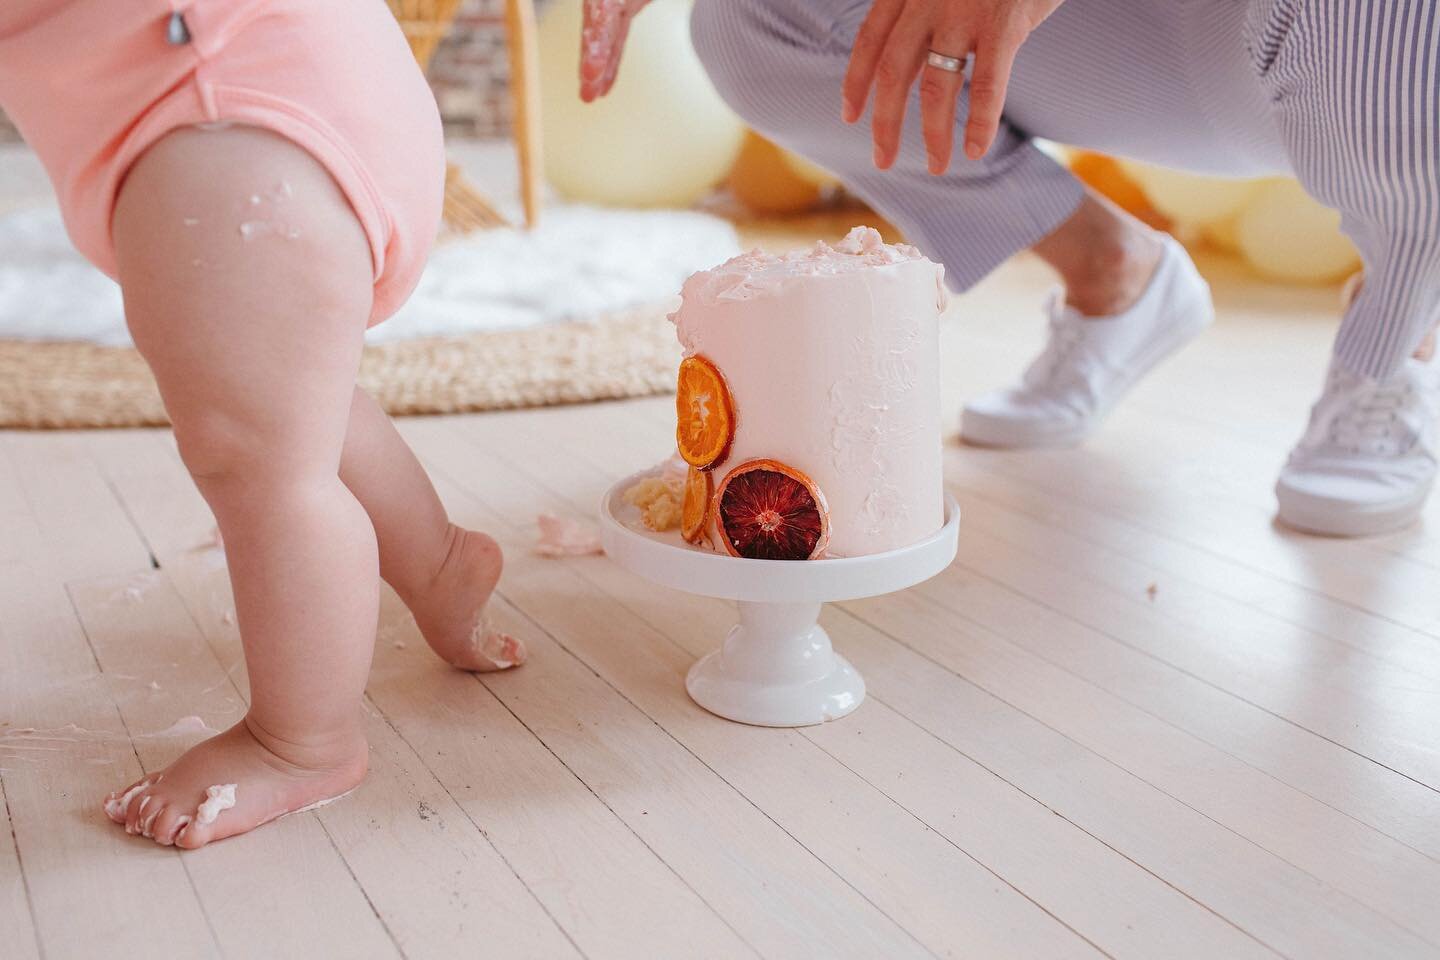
[92, 84]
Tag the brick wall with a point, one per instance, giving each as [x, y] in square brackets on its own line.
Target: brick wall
[469, 74]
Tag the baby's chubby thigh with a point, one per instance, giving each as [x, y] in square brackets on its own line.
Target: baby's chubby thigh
[339, 78]
[247, 281]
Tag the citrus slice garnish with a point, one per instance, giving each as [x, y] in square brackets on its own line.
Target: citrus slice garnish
[696, 508]
[704, 413]
[766, 510]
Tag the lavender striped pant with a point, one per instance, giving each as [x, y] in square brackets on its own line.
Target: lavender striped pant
[1344, 94]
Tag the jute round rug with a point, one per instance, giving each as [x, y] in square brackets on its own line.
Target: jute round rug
[631, 354]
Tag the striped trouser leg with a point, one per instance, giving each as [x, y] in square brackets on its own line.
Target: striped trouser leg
[779, 64]
[1356, 91]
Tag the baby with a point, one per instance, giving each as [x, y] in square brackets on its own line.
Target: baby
[264, 179]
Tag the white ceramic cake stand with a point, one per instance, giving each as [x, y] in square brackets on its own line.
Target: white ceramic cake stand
[776, 667]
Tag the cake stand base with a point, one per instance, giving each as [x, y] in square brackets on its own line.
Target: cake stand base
[776, 669]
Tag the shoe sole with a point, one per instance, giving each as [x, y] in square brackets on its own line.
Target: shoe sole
[1009, 437]
[1323, 518]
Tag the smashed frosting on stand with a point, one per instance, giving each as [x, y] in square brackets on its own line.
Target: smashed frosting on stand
[808, 402]
[659, 496]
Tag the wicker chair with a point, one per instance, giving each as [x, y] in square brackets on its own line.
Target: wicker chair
[425, 23]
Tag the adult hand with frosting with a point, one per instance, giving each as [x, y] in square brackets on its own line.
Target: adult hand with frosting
[602, 39]
[892, 47]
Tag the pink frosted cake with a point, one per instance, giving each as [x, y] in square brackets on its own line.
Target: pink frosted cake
[809, 401]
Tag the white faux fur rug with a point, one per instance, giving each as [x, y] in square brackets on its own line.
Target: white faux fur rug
[581, 263]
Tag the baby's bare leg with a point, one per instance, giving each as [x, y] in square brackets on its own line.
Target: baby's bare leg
[445, 574]
[247, 286]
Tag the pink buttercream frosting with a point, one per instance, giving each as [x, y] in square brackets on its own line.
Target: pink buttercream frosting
[759, 273]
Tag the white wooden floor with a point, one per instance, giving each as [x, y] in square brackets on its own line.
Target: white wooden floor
[1134, 719]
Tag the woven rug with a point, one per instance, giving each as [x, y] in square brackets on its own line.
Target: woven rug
[576, 313]
[94, 379]
[632, 354]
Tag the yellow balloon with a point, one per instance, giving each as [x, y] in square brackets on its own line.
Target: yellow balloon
[1286, 234]
[1221, 235]
[662, 137]
[1189, 199]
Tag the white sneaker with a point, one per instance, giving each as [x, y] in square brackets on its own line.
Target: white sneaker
[1368, 459]
[1089, 364]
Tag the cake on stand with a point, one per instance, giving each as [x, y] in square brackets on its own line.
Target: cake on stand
[776, 667]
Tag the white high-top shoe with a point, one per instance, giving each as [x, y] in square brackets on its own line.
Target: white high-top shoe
[1367, 460]
[1090, 363]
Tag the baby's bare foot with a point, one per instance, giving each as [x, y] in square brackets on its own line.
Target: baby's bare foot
[451, 612]
[190, 803]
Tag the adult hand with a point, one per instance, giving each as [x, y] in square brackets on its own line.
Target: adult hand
[602, 39]
[891, 50]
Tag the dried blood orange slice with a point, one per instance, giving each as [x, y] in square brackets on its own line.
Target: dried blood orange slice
[704, 413]
[768, 511]
[696, 508]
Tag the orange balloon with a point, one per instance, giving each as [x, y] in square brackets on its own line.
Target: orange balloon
[765, 183]
[1108, 178]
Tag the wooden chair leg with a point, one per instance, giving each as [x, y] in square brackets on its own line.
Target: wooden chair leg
[525, 94]
[466, 209]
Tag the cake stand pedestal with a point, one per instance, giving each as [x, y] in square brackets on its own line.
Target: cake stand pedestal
[776, 667]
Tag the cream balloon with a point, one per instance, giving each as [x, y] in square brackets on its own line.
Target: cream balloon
[1221, 235]
[1191, 200]
[1286, 234]
[662, 137]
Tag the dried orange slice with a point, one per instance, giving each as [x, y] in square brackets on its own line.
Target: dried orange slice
[765, 510]
[704, 413]
[696, 508]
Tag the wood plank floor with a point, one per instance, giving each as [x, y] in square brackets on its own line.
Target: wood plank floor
[1134, 718]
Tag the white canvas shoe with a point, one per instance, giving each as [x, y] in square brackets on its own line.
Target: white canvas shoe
[1367, 460]
[1089, 363]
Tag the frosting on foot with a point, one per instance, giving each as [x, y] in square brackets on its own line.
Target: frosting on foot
[217, 798]
[499, 651]
[197, 799]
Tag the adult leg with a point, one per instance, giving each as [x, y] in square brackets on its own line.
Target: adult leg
[1356, 89]
[254, 336]
[780, 62]
[1130, 78]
